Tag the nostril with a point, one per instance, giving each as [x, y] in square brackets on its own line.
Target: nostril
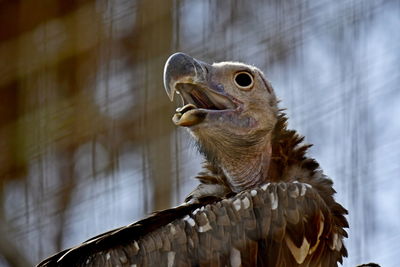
[207, 70]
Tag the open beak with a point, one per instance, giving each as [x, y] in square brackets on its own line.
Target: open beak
[189, 78]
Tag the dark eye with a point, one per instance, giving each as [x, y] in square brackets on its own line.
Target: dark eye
[244, 80]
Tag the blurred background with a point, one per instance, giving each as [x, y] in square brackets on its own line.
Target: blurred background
[86, 139]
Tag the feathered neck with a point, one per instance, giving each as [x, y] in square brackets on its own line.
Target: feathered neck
[288, 152]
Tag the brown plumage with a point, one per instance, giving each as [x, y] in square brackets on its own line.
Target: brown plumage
[261, 201]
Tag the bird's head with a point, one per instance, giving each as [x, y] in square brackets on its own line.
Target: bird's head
[229, 107]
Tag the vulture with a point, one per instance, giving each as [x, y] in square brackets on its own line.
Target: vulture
[261, 200]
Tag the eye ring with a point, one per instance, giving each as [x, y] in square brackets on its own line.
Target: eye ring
[243, 80]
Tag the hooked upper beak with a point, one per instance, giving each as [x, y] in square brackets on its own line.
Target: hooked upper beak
[200, 95]
[183, 68]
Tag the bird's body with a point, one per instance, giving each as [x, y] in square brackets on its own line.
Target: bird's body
[261, 200]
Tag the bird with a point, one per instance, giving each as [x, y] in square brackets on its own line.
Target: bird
[261, 200]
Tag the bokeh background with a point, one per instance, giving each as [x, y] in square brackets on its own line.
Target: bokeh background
[86, 139]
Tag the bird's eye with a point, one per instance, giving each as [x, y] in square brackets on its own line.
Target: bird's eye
[244, 80]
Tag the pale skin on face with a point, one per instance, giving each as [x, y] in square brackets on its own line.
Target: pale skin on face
[239, 141]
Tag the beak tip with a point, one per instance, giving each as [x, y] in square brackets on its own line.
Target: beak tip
[171, 97]
[170, 92]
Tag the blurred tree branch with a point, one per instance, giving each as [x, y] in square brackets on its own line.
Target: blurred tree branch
[153, 44]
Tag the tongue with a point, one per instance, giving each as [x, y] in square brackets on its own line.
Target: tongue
[185, 108]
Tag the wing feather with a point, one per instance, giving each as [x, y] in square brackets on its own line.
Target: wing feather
[279, 224]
